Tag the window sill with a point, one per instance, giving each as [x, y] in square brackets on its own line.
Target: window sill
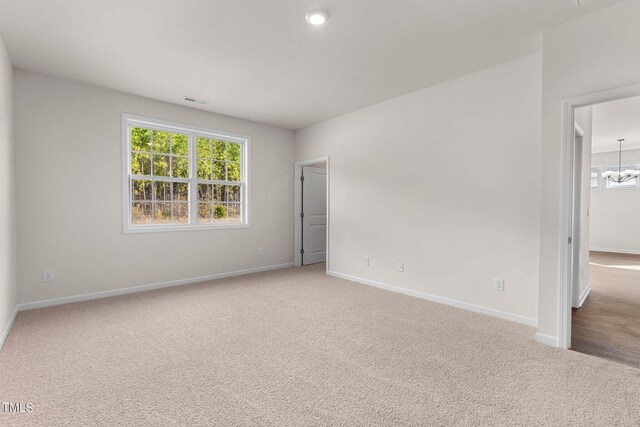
[173, 228]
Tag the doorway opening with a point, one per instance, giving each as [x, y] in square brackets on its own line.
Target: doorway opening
[311, 212]
[600, 290]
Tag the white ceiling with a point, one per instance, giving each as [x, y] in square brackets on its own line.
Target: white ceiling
[614, 120]
[260, 60]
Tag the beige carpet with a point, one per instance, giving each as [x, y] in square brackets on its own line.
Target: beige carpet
[297, 348]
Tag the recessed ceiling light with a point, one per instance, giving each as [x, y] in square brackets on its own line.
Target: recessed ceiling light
[316, 17]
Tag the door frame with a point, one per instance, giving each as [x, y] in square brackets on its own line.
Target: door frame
[576, 243]
[564, 297]
[297, 206]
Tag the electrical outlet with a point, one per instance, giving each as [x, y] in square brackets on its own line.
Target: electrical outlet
[401, 267]
[47, 276]
[498, 285]
[366, 261]
[261, 252]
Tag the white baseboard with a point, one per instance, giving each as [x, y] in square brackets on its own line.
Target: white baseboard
[442, 300]
[144, 288]
[616, 251]
[5, 333]
[584, 295]
[547, 340]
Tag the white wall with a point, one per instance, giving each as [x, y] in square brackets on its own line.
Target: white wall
[614, 212]
[596, 52]
[8, 283]
[69, 166]
[584, 118]
[446, 179]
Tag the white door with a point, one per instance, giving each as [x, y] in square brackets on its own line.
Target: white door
[314, 215]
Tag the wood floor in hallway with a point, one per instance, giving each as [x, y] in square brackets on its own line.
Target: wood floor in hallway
[608, 323]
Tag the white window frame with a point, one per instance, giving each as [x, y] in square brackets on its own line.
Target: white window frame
[598, 169]
[193, 133]
[614, 166]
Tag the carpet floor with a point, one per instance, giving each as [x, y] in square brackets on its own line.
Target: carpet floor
[297, 348]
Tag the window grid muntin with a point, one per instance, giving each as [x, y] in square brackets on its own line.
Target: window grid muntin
[212, 160]
[169, 178]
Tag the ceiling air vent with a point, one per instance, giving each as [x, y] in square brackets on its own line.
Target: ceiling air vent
[196, 100]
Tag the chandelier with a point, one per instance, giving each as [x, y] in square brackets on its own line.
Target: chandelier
[620, 175]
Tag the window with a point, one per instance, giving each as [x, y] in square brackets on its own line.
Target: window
[180, 177]
[595, 177]
[632, 183]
